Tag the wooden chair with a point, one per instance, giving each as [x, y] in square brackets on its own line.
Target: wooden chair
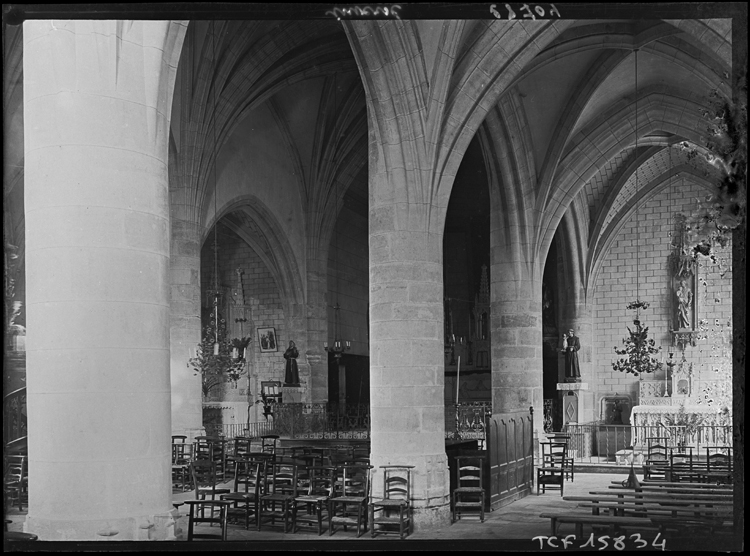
[280, 486]
[217, 514]
[15, 480]
[568, 462]
[681, 457]
[205, 482]
[551, 473]
[348, 505]
[394, 508]
[469, 492]
[182, 454]
[719, 460]
[239, 448]
[656, 461]
[248, 479]
[269, 443]
[312, 502]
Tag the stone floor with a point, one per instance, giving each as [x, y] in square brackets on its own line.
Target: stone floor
[513, 527]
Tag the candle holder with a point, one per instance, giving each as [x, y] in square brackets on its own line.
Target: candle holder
[670, 366]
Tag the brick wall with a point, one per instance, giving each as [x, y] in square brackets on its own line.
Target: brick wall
[626, 264]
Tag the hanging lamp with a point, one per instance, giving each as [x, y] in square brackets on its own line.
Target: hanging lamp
[339, 347]
[215, 361]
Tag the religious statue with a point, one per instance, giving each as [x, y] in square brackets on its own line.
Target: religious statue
[684, 305]
[291, 378]
[571, 345]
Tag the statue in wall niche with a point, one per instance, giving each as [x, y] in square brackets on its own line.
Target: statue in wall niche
[571, 346]
[291, 377]
[684, 305]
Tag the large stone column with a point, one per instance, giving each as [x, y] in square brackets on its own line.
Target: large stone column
[406, 355]
[516, 322]
[96, 100]
[185, 327]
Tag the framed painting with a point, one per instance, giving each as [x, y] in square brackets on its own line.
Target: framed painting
[267, 339]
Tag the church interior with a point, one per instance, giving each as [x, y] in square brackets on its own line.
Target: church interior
[242, 226]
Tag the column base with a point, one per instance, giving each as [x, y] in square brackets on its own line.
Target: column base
[157, 527]
[430, 518]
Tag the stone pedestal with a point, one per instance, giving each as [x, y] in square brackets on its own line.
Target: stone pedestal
[293, 394]
[570, 395]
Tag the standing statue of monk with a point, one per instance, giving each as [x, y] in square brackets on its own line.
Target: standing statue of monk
[291, 378]
[571, 345]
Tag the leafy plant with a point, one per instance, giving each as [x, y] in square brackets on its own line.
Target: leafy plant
[726, 145]
[686, 423]
[639, 350]
[216, 368]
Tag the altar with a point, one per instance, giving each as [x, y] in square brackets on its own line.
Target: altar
[680, 415]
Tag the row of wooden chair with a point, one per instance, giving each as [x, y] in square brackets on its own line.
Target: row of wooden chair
[271, 490]
[663, 461]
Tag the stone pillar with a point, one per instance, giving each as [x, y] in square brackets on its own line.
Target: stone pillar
[516, 321]
[407, 359]
[185, 327]
[317, 327]
[96, 99]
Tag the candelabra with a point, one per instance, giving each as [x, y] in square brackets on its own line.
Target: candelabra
[338, 348]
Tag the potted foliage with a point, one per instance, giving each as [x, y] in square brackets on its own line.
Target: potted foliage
[685, 425]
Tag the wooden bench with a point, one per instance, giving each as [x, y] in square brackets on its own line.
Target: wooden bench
[648, 509]
[672, 490]
[695, 472]
[676, 485]
[665, 495]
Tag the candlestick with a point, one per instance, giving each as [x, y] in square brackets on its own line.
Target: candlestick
[458, 373]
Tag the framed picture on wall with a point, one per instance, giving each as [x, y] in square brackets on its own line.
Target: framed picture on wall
[267, 339]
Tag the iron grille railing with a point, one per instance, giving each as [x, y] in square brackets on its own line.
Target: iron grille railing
[232, 430]
[600, 443]
[321, 421]
[14, 415]
[467, 421]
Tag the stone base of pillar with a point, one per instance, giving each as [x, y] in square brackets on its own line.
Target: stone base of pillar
[156, 527]
[431, 518]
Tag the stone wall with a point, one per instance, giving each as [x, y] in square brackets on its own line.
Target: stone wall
[348, 272]
[640, 252]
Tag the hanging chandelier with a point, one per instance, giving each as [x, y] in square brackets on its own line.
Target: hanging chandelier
[217, 359]
[339, 347]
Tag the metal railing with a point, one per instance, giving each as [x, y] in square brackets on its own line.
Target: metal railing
[14, 415]
[600, 443]
[467, 421]
[308, 421]
[232, 430]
